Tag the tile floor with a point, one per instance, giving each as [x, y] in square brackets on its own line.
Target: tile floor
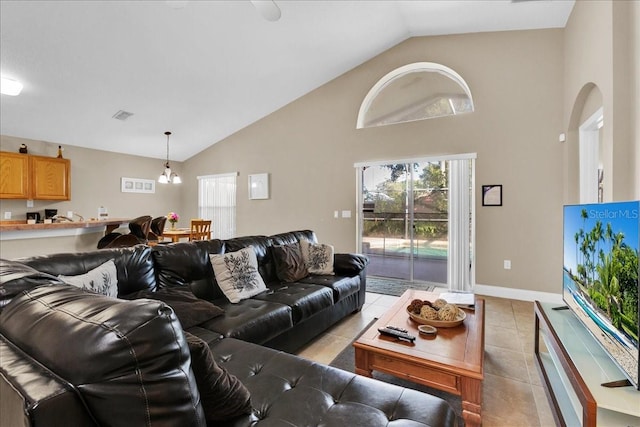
[512, 392]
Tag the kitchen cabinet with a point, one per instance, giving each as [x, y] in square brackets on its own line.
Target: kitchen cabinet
[25, 176]
[14, 176]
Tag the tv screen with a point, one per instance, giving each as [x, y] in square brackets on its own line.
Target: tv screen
[600, 276]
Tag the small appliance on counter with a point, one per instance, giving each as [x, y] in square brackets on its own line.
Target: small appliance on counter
[33, 216]
[50, 213]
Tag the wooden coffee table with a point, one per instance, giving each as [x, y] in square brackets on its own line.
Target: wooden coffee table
[452, 361]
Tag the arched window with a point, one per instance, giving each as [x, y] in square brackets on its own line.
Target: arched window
[417, 91]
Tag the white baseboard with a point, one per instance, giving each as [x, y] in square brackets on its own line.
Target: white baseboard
[519, 294]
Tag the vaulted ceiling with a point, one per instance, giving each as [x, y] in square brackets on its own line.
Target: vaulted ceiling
[205, 69]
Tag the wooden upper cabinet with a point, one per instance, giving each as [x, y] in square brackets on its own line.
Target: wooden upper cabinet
[14, 176]
[24, 176]
[50, 178]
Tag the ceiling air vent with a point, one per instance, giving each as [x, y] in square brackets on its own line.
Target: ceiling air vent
[122, 115]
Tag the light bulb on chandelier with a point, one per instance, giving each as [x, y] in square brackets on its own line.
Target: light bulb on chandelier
[168, 176]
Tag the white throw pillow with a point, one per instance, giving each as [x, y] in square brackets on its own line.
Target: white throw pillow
[237, 274]
[101, 280]
[317, 256]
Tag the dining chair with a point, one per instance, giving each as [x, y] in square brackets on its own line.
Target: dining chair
[157, 228]
[200, 229]
[138, 233]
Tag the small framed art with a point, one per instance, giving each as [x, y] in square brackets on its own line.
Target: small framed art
[259, 186]
[135, 185]
[492, 195]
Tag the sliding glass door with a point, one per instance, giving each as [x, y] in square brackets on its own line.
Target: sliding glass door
[405, 219]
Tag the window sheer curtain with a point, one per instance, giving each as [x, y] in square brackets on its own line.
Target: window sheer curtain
[460, 262]
[217, 202]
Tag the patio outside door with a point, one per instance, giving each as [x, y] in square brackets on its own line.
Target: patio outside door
[404, 220]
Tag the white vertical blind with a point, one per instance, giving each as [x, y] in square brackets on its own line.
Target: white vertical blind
[217, 202]
[459, 267]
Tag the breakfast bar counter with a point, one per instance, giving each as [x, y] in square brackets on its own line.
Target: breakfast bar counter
[10, 230]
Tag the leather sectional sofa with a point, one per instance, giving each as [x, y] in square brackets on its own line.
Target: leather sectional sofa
[70, 357]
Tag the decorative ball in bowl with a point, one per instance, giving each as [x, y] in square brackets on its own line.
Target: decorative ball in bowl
[439, 313]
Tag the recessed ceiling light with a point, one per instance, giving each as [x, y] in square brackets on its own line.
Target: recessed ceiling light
[122, 115]
[10, 87]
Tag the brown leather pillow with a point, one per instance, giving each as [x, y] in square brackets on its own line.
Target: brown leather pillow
[189, 309]
[223, 396]
[290, 266]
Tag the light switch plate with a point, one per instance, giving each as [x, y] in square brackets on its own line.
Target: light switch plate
[346, 214]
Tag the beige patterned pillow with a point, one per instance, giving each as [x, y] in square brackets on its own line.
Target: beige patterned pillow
[101, 280]
[237, 274]
[318, 257]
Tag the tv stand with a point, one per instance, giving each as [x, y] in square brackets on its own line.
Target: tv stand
[573, 366]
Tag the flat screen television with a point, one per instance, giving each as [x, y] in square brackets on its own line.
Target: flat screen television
[600, 276]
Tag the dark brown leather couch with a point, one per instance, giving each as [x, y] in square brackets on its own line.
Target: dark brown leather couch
[63, 351]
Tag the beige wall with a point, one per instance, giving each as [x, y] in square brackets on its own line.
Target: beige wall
[601, 50]
[309, 148]
[95, 182]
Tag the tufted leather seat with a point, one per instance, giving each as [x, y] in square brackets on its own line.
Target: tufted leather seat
[304, 299]
[342, 286]
[289, 390]
[251, 319]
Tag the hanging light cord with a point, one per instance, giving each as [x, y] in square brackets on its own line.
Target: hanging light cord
[167, 164]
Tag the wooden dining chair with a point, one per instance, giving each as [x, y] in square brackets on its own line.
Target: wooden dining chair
[200, 229]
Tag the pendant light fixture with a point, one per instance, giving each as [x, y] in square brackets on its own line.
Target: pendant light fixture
[168, 176]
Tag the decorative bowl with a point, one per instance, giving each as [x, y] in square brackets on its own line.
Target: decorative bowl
[439, 323]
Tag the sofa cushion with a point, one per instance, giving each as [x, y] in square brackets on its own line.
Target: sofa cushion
[134, 265]
[290, 266]
[318, 257]
[260, 245]
[237, 274]
[191, 310]
[304, 299]
[102, 280]
[280, 383]
[223, 395]
[341, 286]
[251, 320]
[102, 346]
[293, 237]
[187, 264]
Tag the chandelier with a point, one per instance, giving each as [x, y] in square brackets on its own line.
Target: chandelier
[168, 176]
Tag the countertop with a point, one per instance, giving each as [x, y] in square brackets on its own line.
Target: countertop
[111, 223]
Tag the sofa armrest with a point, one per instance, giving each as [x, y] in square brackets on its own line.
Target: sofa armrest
[101, 346]
[34, 396]
[16, 277]
[349, 264]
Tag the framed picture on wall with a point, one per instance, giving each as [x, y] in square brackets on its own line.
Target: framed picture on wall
[259, 186]
[492, 195]
[136, 185]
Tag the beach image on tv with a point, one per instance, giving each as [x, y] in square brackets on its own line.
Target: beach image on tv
[600, 280]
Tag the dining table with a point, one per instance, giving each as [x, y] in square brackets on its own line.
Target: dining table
[175, 234]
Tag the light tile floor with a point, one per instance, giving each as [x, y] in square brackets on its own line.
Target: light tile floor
[512, 391]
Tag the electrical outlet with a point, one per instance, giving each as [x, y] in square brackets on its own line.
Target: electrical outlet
[29, 203]
[7, 215]
[336, 214]
[507, 264]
